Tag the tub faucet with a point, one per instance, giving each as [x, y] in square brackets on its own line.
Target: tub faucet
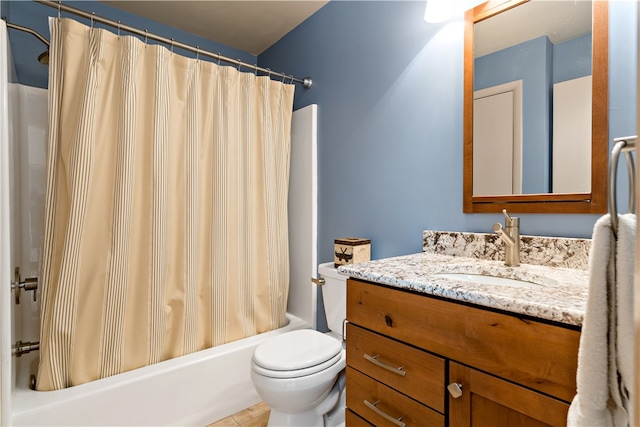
[511, 239]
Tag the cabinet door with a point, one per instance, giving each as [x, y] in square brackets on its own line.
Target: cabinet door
[487, 401]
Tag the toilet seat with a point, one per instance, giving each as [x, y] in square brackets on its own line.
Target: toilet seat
[296, 354]
[298, 372]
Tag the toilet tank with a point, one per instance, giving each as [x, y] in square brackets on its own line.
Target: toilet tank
[334, 296]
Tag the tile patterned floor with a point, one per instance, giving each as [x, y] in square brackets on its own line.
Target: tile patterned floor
[255, 416]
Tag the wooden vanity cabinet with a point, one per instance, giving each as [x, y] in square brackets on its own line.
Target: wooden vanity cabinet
[403, 349]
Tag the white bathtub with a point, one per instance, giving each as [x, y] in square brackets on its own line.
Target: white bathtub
[192, 390]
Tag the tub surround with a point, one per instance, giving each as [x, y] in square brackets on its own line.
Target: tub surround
[559, 293]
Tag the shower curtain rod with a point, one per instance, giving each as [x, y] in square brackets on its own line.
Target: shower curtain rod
[306, 82]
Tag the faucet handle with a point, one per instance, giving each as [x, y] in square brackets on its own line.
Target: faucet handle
[510, 221]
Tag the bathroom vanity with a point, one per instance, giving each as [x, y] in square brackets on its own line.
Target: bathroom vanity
[424, 348]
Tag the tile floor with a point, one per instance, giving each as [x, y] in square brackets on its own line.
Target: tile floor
[255, 416]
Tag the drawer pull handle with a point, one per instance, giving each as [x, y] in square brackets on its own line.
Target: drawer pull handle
[374, 408]
[395, 369]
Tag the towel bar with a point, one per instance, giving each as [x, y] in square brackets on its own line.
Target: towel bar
[626, 145]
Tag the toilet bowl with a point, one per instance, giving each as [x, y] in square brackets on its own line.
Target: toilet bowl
[300, 374]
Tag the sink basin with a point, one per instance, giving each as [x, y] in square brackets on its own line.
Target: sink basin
[487, 280]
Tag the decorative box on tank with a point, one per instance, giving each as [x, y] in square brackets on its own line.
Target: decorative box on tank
[351, 250]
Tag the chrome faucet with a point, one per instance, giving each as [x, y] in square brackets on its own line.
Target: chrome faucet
[511, 239]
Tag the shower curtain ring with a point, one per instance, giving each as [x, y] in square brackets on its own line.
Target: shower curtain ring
[172, 40]
[219, 56]
[59, 11]
[118, 28]
[269, 72]
[197, 53]
[92, 15]
[146, 36]
[291, 77]
[239, 64]
[284, 76]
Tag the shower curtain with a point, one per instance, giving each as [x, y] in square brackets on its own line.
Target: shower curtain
[166, 205]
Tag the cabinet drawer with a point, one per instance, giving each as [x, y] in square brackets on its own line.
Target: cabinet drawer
[422, 375]
[363, 392]
[534, 354]
[353, 420]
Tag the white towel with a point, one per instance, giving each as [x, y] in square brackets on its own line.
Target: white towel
[625, 263]
[589, 407]
[606, 342]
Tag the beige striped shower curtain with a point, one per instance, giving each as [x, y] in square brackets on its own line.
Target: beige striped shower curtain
[166, 205]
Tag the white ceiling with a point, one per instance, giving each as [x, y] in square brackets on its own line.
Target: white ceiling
[559, 20]
[248, 25]
[254, 25]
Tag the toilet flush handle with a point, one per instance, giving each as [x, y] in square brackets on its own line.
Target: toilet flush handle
[318, 282]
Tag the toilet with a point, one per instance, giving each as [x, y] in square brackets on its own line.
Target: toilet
[300, 374]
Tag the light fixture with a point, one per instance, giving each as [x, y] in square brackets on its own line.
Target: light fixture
[439, 10]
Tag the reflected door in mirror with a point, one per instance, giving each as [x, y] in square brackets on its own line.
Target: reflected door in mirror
[497, 140]
[572, 136]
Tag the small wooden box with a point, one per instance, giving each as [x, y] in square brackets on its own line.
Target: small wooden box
[351, 250]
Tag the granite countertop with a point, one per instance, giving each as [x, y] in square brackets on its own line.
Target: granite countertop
[560, 296]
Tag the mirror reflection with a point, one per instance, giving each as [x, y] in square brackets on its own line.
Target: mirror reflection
[532, 130]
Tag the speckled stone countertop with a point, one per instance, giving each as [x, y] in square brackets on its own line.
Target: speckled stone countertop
[558, 293]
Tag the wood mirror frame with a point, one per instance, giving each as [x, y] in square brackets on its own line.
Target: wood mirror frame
[588, 203]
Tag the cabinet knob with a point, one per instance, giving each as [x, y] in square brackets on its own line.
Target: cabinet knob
[455, 389]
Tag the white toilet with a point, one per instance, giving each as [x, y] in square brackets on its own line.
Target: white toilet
[300, 374]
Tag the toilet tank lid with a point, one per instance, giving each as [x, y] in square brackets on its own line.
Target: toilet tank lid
[328, 270]
[296, 350]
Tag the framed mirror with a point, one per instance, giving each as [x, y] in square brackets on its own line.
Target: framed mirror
[536, 107]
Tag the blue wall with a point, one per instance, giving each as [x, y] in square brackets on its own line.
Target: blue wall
[26, 48]
[389, 91]
[572, 59]
[623, 81]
